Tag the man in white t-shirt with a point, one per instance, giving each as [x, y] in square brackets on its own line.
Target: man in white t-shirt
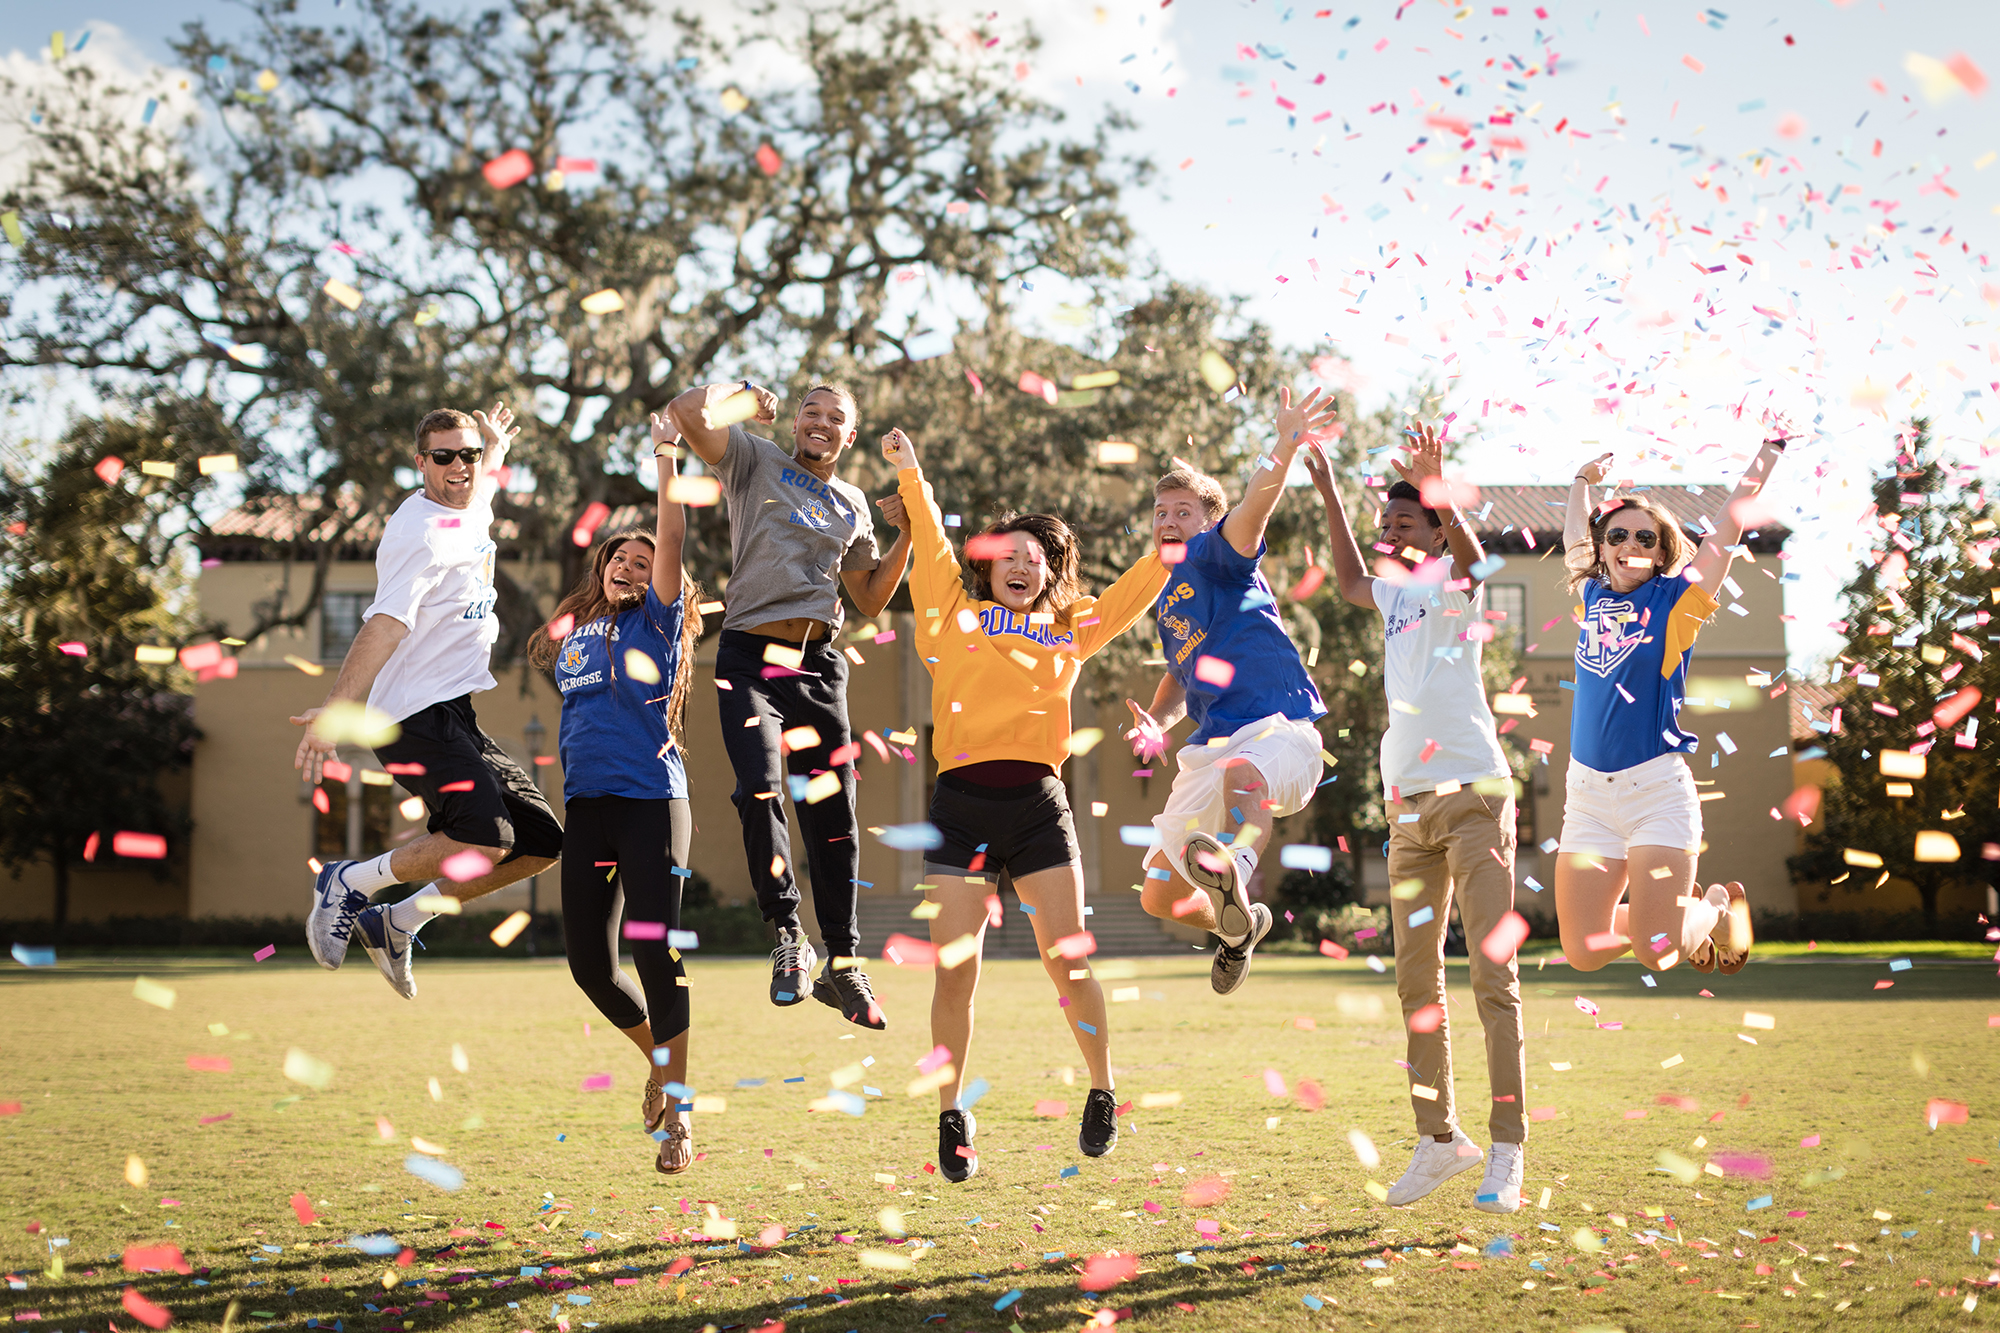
[1449, 798]
[424, 649]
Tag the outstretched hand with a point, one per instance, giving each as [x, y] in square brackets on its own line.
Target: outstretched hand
[1596, 470]
[1426, 456]
[496, 430]
[314, 749]
[1305, 420]
[1320, 468]
[665, 433]
[1148, 737]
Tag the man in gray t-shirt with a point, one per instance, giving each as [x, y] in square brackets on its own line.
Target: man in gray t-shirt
[797, 533]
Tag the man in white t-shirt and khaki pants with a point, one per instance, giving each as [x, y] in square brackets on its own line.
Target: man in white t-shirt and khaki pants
[425, 647]
[1450, 804]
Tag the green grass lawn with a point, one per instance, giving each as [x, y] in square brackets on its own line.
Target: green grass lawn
[1873, 1225]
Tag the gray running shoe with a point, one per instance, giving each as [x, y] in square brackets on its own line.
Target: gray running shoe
[1232, 961]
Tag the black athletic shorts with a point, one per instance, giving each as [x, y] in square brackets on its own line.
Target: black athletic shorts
[475, 792]
[1020, 829]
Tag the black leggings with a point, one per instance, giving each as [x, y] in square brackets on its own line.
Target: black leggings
[619, 852]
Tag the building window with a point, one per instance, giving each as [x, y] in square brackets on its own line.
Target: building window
[1511, 601]
[339, 622]
[333, 840]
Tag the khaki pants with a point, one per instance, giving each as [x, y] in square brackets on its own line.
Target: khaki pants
[1460, 844]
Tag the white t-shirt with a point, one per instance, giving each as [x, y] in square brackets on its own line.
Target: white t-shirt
[434, 572]
[1431, 667]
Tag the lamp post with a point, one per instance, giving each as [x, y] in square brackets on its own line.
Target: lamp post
[534, 734]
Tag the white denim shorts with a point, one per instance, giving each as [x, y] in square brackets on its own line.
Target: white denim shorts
[1653, 804]
[1285, 750]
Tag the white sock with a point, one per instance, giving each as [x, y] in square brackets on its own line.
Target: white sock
[370, 876]
[1701, 918]
[1246, 862]
[406, 916]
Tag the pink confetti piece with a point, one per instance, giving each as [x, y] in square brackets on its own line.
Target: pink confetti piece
[1506, 938]
[1214, 671]
[509, 169]
[597, 1083]
[645, 930]
[265, 952]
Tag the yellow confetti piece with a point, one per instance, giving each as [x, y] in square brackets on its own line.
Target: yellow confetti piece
[345, 720]
[212, 464]
[1756, 1020]
[158, 469]
[1428, 1094]
[1219, 374]
[641, 667]
[507, 931]
[10, 222]
[442, 905]
[1124, 994]
[932, 1081]
[733, 101]
[1159, 1101]
[152, 992]
[426, 1146]
[1933, 845]
[738, 406]
[343, 294]
[710, 1105]
[696, 492]
[135, 1172]
[845, 1075]
[153, 655]
[605, 302]
[307, 1069]
[1670, 1062]
[1084, 739]
[1116, 453]
[267, 81]
[958, 951]
[882, 1259]
[1099, 379]
[1902, 764]
[777, 654]
[821, 787]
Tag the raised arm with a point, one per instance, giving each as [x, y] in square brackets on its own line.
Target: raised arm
[1151, 725]
[1349, 570]
[1427, 465]
[936, 581]
[1711, 563]
[670, 528]
[1577, 553]
[1114, 611]
[1243, 527]
[703, 420]
[366, 656]
[497, 433]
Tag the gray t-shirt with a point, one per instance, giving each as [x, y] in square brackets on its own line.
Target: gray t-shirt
[791, 535]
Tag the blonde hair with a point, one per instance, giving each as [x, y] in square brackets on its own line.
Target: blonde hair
[1206, 487]
[1675, 549]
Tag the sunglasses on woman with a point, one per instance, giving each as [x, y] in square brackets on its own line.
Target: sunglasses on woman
[1618, 537]
[443, 457]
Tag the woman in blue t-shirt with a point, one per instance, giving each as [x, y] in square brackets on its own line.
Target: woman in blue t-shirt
[622, 647]
[1625, 875]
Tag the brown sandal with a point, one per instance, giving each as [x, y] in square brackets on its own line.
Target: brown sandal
[676, 1149]
[653, 1109]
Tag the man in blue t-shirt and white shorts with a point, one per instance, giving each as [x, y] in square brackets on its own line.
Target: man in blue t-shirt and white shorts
[1255, 755]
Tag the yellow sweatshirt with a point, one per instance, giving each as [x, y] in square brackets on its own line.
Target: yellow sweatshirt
[1000, 686]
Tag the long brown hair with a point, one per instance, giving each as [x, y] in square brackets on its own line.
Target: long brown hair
[1059, 549]
[586, 603]
[1675, 548]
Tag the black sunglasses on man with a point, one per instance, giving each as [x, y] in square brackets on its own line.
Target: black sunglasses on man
[443, 457]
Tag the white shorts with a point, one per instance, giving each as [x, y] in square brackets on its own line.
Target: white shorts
[1285, 750]
[1653, 804]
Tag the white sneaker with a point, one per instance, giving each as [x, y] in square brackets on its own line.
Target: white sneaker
[1434, 1164]
[331, 921]
[1500, 1190]
[1207, 863]
[389, 947]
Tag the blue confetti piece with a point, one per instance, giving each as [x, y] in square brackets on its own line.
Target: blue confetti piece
[679, 1091]
[377, 1243]
[1487, 568]
[1015, 1295]
[800, 1079]
[1069, 1171]
[32, 955]
[1899, 965]
[441, 1174]
[1423, 916]
[683, 939]
[1087, 1027]
[1028, 908]
[1532, 882]
[577, 1298]
[531, 1271]
[1312, 1302]
[1136, 835]
[1305, 856]
[911, 837]
[750, 1082]
[686, 872]
[218, 62]
[852, 1103]
[1158, 872]
[974, 1090]
[152, 108]
[686, 62]
[1761, 1201]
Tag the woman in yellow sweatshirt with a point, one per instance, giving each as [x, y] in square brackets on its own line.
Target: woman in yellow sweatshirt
[1002, 664]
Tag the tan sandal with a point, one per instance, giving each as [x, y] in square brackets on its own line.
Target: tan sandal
[653, 1109]
[676, 1149]
[1731, 939]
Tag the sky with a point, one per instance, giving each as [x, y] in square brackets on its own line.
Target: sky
[1629, 227]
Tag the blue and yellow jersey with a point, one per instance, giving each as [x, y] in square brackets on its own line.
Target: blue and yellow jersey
[1631, 671]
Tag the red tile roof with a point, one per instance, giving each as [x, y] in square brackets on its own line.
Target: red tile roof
[1539, 509]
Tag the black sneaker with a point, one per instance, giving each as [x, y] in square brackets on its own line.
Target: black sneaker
[1232, 961]
[848, 991]
[791, 966]
[957, 1159]
[1099, 1134]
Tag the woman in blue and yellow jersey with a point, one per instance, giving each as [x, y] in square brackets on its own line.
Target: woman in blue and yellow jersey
[1002, 664]
[1625, 874]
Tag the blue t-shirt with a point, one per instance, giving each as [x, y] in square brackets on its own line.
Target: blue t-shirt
[1631, 671]
[614, 738]
[1216, 606]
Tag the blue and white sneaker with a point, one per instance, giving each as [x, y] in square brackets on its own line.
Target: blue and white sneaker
[330, 924]
[389, 947]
